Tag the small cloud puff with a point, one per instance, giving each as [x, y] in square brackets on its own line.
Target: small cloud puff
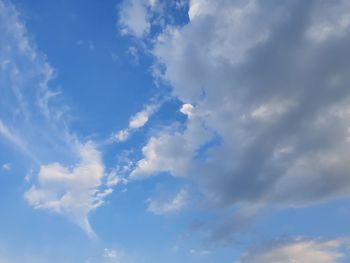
[6, 167]
[136, 122]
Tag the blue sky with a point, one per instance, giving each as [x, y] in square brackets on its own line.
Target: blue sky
[146, 131]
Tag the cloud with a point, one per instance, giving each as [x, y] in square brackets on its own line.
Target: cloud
[116, 255]
[274, 94]
[159, 156]
[114, 179]
[6, 167]
[134, 18]
[111, 255]
[299, 250]
[136, 122]
[71, 191]
[13, 138]
[172, 150]
[28, 102]
[166, 205]
[187, 109]
[34, 119]
[264, 86]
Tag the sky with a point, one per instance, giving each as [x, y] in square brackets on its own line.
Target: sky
[148, 131]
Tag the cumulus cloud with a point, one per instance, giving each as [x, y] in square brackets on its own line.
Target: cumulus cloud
[274, 93]
[187, 109]
[264, 86]
[71, 191]
[311, 251]
[172, 150]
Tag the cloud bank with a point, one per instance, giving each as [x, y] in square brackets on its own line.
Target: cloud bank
[270, 81]
[265, 90]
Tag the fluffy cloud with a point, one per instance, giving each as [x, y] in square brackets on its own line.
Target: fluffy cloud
[311, 251]
[173, 150]
[270, 81]
[265, 88]
[73, 192]
[134, 18]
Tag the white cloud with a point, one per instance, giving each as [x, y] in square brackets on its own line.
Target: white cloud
[329, 21]
[187, 109]
[153, 3]
[159, 156]
[34, 119]
[121, 135]
[136, 122]
[71, 191]
[173, 151]
[311, 251]
[134, 18]
[27, 102]
[265, 89]
[260, 90]
[167, 205]
[139, 120]
[114, 179]
[13, 138]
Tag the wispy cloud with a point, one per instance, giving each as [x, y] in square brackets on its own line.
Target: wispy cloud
[6, 167]
[34, 120]
[269, 82]
[136, 122]
[12, 138]
[163, 205]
